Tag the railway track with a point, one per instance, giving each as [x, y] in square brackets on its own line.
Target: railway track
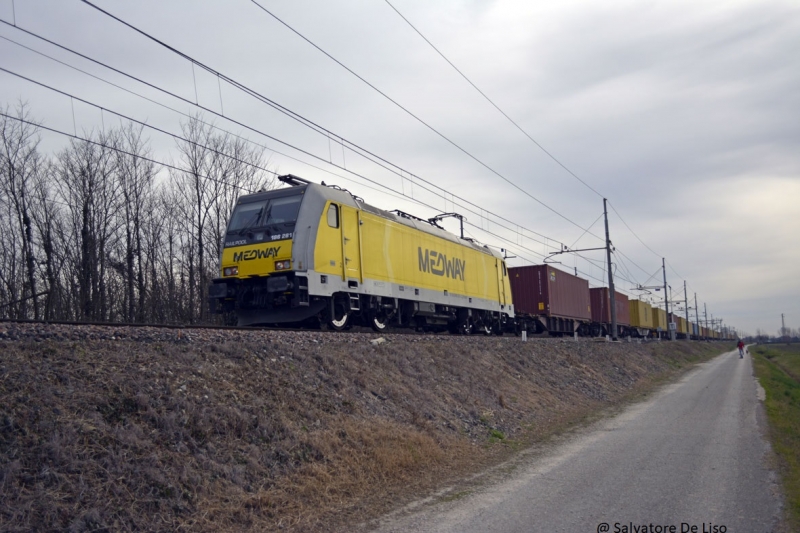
[182, 329]
[353, 329]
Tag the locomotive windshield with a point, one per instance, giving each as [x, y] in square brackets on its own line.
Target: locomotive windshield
[255, 215]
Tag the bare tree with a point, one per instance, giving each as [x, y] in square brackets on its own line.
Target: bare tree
[10, 262]
[198, 191]
[19, 162]
[48, 221]
[135, 173]
[85, 180]
[91, 231]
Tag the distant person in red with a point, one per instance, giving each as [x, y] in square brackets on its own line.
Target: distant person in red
[741, 348]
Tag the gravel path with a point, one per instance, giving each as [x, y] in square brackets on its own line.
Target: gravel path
[693, 456]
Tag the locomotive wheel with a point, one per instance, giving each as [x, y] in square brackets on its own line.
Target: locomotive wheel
[499, 327]
[379, 322]
[341, 317]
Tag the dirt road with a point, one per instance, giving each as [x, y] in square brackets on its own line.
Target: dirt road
[693, 458]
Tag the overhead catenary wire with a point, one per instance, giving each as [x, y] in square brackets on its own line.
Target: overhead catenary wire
[115, 149]
[278, 140]
[179, 112]
[488, 99]
[135, 121]
[556, 160]
[165, 132]
[76, 137]
[317, 127]
[633, 232]
[414, 116]
[382, 162]
[534, 141]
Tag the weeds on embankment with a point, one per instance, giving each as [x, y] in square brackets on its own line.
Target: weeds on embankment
[292, 432]
[778, 369]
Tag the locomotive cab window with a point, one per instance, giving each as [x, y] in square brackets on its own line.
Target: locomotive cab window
[333, 216]
[281, 210]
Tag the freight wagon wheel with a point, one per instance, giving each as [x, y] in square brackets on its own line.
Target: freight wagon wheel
[340, 317]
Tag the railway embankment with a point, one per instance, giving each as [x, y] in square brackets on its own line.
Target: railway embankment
[149, 429]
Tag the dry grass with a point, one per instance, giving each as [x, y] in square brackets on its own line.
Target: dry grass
[301, 433]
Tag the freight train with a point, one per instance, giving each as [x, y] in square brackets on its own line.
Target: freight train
[316, 255]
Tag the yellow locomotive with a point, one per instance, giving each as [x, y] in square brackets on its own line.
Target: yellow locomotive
[313, 254]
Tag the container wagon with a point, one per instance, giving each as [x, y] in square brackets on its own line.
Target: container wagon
[660, 323]
[601, 312]
[641, 314]
[550, 300]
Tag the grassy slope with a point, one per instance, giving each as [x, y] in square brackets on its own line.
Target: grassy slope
[778, 370]
[289, 432]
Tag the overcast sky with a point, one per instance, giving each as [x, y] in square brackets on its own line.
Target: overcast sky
[685, 115]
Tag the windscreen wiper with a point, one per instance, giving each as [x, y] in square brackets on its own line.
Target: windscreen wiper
[253, 223]
[268, 213]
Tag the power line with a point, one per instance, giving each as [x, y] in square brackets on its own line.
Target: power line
[117, 149]
[187, 115]
[417, 118]
[133, 120]
[466, 78]
[305, 121]
[220, 153]
[633, 232]
[542, 148]
[584, 233]
[617, 250]
[400, 172]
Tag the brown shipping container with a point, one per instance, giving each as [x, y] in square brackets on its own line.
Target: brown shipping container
[680, 322]
[601, 311]
[544, 290]
[641, 314]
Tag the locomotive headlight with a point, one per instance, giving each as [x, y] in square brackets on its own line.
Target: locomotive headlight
[283, 265]
[230, 271]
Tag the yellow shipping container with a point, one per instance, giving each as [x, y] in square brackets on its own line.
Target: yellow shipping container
[659, 318]
[641, 314]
